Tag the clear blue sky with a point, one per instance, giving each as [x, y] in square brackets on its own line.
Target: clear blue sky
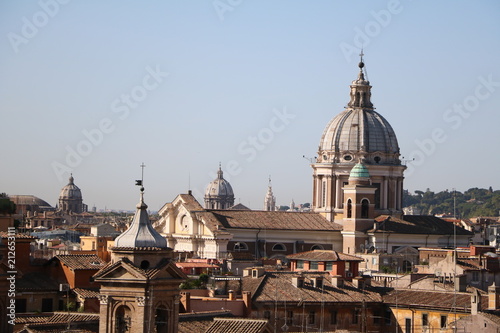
[184, 85]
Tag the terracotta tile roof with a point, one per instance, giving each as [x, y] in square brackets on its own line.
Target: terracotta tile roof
[241, 256]
[494, 317]
[277, 220]
[36, 281]
[432, 299]
[81, 261]
[199, 321]
[4, 234]
[323, 255]
[417, 224]
[277, 286]
[237, 325]
[86, 293]
[57, 317]
[196, 265]
[469, 264]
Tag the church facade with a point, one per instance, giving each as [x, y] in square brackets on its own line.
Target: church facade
[356, 203]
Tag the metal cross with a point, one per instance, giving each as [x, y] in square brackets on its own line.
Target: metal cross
[142, 167]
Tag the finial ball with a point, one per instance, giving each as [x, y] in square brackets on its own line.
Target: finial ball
[361, 64]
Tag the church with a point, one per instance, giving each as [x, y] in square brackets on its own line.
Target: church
[357, 201]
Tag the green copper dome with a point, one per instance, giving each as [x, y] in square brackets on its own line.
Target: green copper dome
[359, 171]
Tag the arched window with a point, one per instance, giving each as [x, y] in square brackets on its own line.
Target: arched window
[240, 246]
[161, 320]
[279, 247]
[317, 247]
[349, 208]
[364, 209]
[122, 319]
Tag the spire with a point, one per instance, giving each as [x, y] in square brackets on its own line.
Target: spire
[270, 200]
[219, 172]
[360, 88]
[141, 233]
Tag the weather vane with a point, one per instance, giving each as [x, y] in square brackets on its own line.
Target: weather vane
[140, 182]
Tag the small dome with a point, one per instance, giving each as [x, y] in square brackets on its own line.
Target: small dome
[70, 191]
[219, 187]
[359, 171]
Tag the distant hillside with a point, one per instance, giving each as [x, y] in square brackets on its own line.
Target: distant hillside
[472, 203]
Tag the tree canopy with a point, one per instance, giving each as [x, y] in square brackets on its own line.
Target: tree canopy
[472, 203]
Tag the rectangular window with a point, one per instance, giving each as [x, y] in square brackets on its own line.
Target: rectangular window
[267, 314]
[21, 305]
[444, 319]
[376, 317]
[355, 316]
[425, 319]
[329, 266]
[289, 318]
[312, 317]
[323, 192]
[377, 195]
[408, 325]
[333, 317]
[388, 317]
[475, 276]
[313, 265]
[300, 264]
[47, 305]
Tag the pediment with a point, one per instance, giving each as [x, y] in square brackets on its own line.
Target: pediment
[170, 271]
[406, 250]
[122, 272]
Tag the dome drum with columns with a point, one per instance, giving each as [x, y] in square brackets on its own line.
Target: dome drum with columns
[358, 134]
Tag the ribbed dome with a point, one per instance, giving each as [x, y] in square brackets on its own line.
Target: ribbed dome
[219, 187]
[359, 129]
[359, 133]
[70, 191]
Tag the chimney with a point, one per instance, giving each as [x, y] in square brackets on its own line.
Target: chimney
[493, 295]
[358, 282]
[475, 302]
[318, 282]
[247, 300]
[460, 283]
[298, 281]
[337, 281]
[232, 295]
[368, 280]
[186, 300]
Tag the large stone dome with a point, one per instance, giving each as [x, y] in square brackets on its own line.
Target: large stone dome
[70, 198]
[219, 187]
[359, 133]
[70, 191]
[219, 193]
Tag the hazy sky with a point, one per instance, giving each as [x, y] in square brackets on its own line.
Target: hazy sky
[98, 87]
